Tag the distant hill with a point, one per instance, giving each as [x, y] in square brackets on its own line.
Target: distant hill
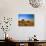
[25, 23]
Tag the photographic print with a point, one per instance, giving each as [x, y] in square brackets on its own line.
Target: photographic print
[25, 19]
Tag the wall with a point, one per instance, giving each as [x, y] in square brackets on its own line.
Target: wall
[11, 8]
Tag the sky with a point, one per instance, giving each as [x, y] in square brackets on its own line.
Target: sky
[26, 16]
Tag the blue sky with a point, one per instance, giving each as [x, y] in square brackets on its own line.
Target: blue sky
[26, 16]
